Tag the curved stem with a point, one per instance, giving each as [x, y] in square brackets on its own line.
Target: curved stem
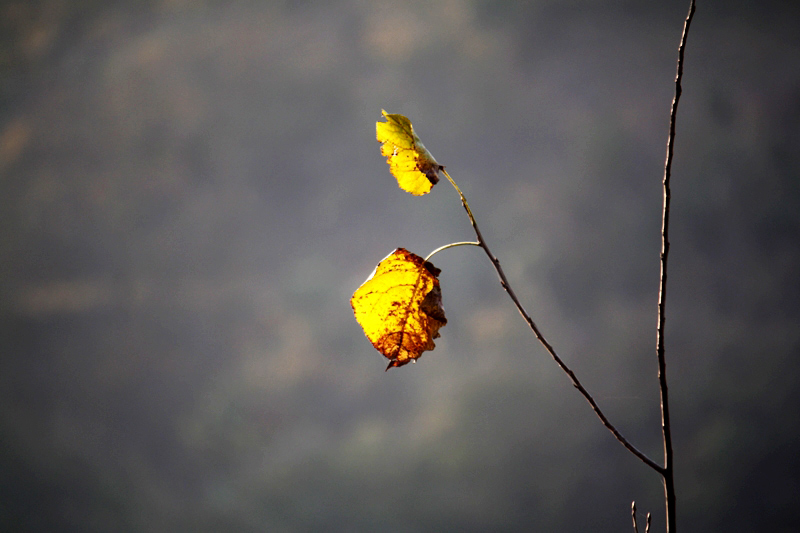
[451, 245]
[527, 317]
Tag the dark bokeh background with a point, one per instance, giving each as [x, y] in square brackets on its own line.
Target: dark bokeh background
[191, 191]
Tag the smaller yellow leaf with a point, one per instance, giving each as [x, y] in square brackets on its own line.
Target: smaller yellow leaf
[409, 161]
[400, 307]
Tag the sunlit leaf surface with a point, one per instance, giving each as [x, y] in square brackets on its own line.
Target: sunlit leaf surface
[400, 307]
[410, 162]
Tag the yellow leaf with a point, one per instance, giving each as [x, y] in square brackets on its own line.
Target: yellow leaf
[410, 162]
[400, 307]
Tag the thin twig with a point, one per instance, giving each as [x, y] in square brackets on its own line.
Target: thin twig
[575, 382]
[668, 471]
[633, 517]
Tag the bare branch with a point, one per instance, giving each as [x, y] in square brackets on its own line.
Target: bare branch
[667, 472]
[575, 382]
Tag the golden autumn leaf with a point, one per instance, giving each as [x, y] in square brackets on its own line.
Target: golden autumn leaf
[400, 307]
[409, 161]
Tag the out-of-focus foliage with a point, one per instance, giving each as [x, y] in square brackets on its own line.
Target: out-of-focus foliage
[185, 188]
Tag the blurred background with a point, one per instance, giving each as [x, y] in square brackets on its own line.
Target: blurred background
[191, 191]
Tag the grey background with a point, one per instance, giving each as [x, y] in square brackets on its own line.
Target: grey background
[191, 191]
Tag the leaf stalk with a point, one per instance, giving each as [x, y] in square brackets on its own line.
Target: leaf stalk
[451, 245]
